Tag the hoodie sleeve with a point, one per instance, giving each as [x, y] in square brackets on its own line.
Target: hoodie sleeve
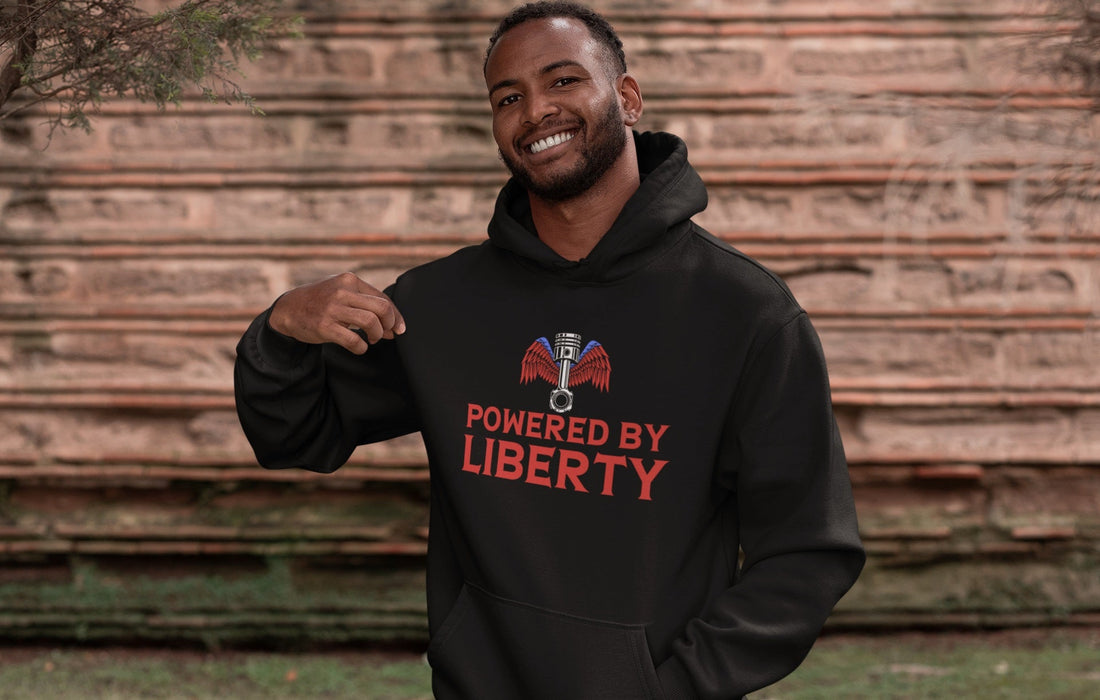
[310, 406]
[782, 455]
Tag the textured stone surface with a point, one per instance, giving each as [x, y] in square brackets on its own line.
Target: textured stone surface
[902, 165]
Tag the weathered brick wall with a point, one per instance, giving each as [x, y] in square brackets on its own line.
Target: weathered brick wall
[895, 162]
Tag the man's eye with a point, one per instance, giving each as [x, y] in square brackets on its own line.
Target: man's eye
[565, 81]
[510, 99]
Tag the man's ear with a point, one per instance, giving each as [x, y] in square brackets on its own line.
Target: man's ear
[630, 99]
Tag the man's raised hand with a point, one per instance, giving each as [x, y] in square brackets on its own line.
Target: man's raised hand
[329, 311]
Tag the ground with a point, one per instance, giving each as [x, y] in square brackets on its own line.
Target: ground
[1048, 663]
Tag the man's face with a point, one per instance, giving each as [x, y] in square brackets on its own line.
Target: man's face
[557, 119]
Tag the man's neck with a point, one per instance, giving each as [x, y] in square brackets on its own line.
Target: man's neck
[573, 228]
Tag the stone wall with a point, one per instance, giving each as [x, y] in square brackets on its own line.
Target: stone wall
[897, 163]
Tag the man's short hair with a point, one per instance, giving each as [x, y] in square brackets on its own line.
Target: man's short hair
[598, 27]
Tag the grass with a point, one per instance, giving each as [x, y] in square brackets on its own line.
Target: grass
[128, 673]
[1060, 664]
[1022, 664]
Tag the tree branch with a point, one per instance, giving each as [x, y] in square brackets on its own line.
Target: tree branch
[43, 97]
[114, 48]
[26, 12]
[23, 20]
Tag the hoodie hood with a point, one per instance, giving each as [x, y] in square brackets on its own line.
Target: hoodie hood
[671, 192]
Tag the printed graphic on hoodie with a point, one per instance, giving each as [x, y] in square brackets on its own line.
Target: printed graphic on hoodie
[566, 365]
[575, 453]
[578, 453]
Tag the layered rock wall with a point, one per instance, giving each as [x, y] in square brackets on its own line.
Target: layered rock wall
[904, 166]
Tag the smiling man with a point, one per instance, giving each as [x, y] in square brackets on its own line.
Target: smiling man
[638, 486]
[540, 130]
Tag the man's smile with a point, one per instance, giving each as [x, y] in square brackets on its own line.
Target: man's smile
[550, 141]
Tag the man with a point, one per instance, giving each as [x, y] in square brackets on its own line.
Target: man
[638, 487]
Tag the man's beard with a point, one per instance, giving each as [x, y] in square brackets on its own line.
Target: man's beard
[600, 151]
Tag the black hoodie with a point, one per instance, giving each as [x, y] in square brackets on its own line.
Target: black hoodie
[653, 504]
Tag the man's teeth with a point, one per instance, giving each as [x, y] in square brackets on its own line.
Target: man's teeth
[543, 144]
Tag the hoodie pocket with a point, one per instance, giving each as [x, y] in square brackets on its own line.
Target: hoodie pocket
[491, 648]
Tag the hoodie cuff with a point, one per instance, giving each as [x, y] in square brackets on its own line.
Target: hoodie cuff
[276, 349]
[675, 681]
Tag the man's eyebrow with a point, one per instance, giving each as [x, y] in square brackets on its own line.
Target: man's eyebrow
[565, 63]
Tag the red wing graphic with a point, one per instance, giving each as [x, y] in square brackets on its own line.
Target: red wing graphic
[538, 363]
[593, 366]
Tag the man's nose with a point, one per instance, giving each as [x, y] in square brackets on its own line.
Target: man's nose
[538, 108]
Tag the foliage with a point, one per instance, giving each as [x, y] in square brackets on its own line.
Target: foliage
[1070, 54]
[1074, 55]
[73, 54]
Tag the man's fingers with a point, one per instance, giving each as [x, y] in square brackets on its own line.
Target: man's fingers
[367, 321]
[390, 321]
[396, 325]
[325, 311]
[349, 340]
[399, 320]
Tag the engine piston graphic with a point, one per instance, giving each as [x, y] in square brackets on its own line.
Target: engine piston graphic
[567, 350]
[566, 365]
